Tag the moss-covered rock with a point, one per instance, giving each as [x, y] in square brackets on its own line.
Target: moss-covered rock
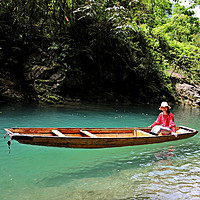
[45, 82]
[50, 98]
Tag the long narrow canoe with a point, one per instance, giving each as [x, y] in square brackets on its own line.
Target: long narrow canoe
[93, 137]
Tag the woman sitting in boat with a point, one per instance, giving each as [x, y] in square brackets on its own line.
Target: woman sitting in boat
[165, 121]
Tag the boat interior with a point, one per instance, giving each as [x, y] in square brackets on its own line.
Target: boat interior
[88, 132]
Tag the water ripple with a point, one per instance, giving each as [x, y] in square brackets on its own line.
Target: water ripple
[160, 171]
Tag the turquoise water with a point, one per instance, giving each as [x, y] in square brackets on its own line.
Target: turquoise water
[158, 171]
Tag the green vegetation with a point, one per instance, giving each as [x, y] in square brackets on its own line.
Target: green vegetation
[117, 51]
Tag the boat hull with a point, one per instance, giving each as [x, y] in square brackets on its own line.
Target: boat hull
[95, 142]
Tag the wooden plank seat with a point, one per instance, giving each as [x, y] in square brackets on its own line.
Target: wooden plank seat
[144, 133]
[58, 133]
[88, 133]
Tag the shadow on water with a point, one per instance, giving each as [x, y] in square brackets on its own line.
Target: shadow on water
[110, 165]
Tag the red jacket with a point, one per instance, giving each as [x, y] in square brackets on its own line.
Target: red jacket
[165, 121]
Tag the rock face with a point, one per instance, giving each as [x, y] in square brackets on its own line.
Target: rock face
[45, 83]
[189, 94]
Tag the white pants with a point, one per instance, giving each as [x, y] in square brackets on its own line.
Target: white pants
[156, 129]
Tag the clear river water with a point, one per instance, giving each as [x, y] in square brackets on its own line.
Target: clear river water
[158, 171]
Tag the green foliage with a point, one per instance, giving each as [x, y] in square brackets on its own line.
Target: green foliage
[181, 35]
[114, 50]
[150, 12]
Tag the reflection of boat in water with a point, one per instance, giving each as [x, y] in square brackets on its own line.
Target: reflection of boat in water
[164, 156]
[93, 137]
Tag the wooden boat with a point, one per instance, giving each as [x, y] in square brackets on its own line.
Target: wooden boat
[93, 137]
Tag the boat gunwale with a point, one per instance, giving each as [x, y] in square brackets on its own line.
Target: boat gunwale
[16, 135]
[90, 128]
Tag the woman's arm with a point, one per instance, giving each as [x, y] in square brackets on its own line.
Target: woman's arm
[158, 121]
[172, 125]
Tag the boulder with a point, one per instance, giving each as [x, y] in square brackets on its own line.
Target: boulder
[189, 94]
[46, 83]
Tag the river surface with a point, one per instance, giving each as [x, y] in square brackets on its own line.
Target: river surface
[158, 171]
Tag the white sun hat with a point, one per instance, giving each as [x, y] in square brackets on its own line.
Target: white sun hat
[164, 104]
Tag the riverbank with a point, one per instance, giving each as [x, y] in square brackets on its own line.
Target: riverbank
[41, 86]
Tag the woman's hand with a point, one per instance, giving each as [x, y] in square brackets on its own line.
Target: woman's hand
[175, 134]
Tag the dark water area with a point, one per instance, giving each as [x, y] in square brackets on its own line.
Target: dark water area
[158, 171]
